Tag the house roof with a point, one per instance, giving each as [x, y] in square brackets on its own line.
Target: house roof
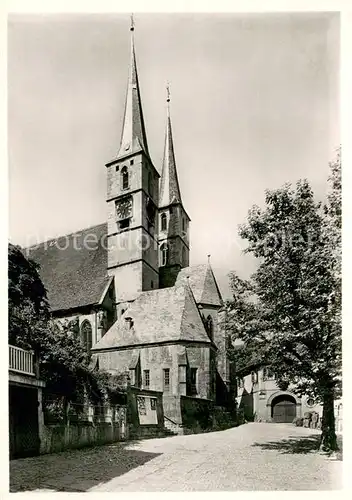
[73, 267]
[203, 284]
[168, 314]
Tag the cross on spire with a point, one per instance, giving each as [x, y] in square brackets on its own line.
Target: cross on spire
[132, 23]
[167, 92]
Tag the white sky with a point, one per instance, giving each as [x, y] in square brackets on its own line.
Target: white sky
[254, 104]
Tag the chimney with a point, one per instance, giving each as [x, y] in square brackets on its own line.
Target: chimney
[129, 321]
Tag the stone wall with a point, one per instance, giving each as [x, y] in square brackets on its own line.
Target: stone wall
[129, 422]
[60, 437]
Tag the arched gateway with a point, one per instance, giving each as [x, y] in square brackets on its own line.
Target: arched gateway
[283, 407]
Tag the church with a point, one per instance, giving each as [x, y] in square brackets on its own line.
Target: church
[141, 308]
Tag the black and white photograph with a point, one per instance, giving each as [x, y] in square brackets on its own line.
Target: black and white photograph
[174, 251]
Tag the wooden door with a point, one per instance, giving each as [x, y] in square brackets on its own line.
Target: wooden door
[284, 411]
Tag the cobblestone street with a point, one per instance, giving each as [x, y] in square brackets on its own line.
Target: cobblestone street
[249, 457]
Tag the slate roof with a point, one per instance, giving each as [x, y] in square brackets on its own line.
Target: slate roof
[73, 267]
[169, 186]
[203, 284]
[168, 314]
[133, 135]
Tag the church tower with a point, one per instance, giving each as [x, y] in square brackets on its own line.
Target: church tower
[173, 219]
[132, 200]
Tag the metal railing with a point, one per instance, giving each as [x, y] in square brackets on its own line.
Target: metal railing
[21, 361]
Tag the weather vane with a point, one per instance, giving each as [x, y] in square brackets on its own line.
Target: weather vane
[168, 92]
[132, 23]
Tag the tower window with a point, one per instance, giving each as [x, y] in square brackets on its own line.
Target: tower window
[152, 284]
[124, 224]
[131, 162]
[183, 256]
[209, 326]
[124, 178]
[150, 183]
[183, 225]
[163, 222]
[146, 378]
[86, 335]
[164, 254]
[117, 168]
[166, 379]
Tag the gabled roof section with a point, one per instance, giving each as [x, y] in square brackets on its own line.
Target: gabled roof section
[158, 316]
[203, 284]
[73, 268]
[169, 186]
[133, 136]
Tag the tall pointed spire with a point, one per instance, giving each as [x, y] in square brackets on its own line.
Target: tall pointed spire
[133, 136]
[169, 187]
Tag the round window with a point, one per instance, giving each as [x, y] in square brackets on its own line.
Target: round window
[310, 402]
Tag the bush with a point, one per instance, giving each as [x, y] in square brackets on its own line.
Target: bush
[298, 422]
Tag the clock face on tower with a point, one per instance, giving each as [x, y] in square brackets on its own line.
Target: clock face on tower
[124, 208]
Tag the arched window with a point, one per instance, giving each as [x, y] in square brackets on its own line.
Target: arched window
[164, 254]
[124, 178]
[163, 222]
[86, 334]
[183, 225]
[209, 324]
[150, 183]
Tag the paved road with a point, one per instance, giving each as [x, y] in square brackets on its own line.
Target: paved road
[249, 457]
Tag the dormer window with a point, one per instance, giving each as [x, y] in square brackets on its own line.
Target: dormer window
[164, 254]
[124, 178]
[163, 222]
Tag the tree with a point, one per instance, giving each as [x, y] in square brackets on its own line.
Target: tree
[28, 306]
[289, 312]
[64, 360]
